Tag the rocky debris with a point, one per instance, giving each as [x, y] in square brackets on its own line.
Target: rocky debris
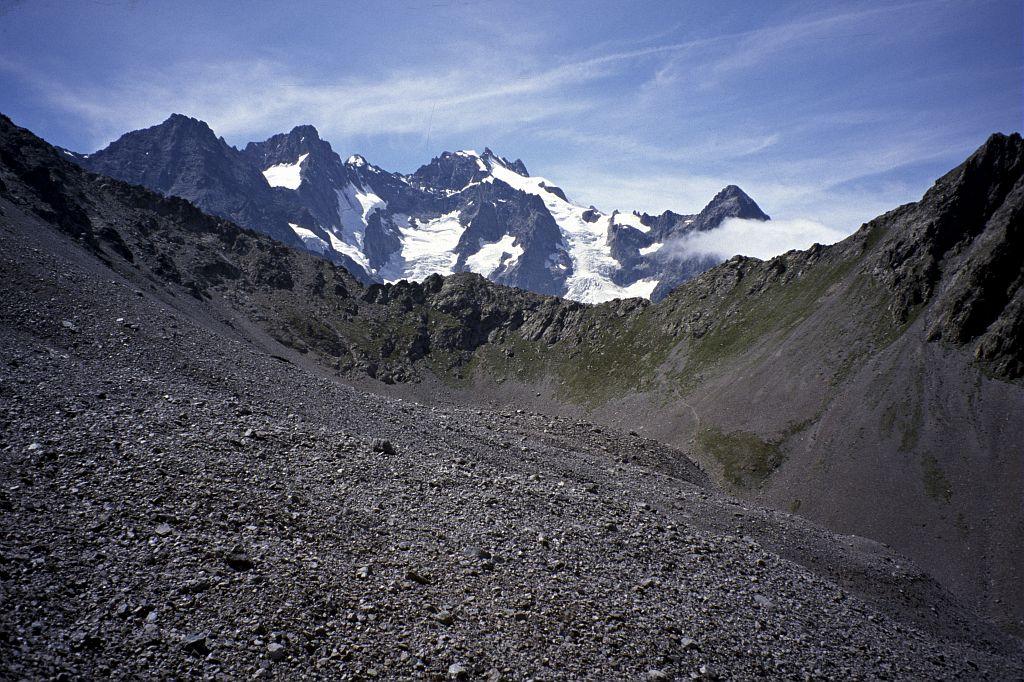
[415, 577]
[489, 556]
[457, 671]
[239, 561]
[444, 617]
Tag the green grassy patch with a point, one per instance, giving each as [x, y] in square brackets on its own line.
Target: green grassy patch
[304, 332]
[747, 460]
[780, 307]
[620, 355]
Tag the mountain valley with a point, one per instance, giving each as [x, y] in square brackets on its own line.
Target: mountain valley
[225, 454]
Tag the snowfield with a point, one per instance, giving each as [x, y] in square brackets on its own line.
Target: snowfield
[427, 247]
[287, 175]
[491, 256]
[428, 241]
[586, 243]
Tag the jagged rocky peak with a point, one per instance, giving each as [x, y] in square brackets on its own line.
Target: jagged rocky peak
[451, 171]
[298, 148]
[168, 156]
[357, 164]
[294, 187]
[177, 129]
[731, 202]
[181, 122]
[516, 166]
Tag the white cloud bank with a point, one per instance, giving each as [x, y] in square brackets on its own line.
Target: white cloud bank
[754, 238]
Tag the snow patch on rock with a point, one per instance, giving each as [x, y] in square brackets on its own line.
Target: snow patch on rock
[287, 175]
[492, 255]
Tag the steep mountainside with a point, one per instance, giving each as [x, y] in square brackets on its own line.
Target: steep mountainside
[188, 496]
[462, 212]
[871, 385]
[183, 157]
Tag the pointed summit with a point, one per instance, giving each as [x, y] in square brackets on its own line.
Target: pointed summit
[183, 157]
[180, 145]
[516, 166]
[305, 131]
[731, 202]
[452, 172]
[182, 121]
[286, 148]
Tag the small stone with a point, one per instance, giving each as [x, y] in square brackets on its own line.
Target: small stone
[416, 577]
[196, 645]
[476, 553]
[655, 674]
[687, 643]
[444, 617]
[363, 572]
[457, 671]
[276, 651]
[163, 529]
[384, 446]
[240, 562]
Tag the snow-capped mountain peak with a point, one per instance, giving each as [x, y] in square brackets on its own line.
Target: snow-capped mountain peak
[462, 211]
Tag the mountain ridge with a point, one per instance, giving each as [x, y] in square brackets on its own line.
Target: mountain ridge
[388, 226]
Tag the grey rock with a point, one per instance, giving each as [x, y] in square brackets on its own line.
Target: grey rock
[196, 644]
[277, 651]
[383, 446]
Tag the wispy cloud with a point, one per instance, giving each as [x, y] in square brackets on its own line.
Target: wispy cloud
[239, 99]
[654, 121]
[246, 96]
[754, 238]
[720, 147]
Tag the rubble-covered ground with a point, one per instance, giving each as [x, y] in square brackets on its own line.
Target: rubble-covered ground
[177, 500]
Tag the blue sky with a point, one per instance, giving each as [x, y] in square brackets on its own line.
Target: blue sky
[830, 112]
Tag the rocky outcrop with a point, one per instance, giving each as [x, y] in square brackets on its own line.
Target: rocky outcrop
[448, 172]
[963, 250]
[183, 157]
